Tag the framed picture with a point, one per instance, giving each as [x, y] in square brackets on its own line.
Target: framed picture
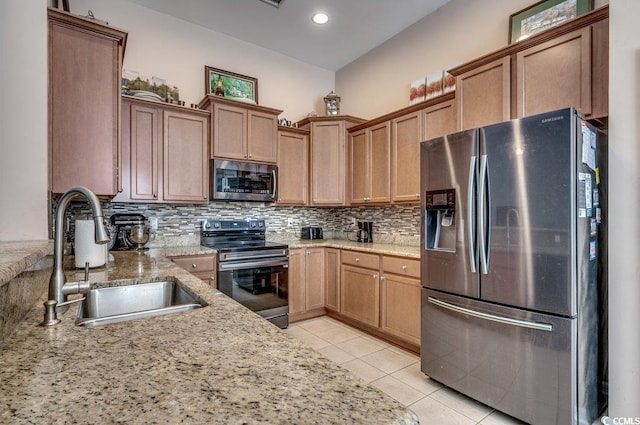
[230, 85]
[417, 89]
[544, 15]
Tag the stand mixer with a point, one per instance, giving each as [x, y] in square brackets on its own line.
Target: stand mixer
[129, 232]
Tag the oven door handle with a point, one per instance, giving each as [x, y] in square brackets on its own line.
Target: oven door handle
[238, 265]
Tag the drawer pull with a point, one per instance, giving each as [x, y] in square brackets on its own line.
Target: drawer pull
[404, 267]
[194, 265]
[357, 259]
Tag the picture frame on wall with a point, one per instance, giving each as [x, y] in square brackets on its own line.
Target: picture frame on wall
[230, 85]
[543, 15]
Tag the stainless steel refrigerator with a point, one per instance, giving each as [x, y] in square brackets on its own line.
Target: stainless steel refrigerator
[513, 266]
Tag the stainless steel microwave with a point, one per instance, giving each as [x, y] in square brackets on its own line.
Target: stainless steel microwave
[243, 181]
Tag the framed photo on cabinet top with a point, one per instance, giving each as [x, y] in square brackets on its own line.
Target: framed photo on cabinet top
[230, 85]
[544, 15]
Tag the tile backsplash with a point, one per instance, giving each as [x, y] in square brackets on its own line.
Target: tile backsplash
[180, 224]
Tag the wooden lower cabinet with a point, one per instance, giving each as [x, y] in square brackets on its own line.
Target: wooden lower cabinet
[360, 294]
[202, 266]
[400, 299]
[382, 293]
[332, 279]
[306, 283]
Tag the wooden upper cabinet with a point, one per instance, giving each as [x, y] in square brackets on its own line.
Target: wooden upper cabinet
[380, 162]
[328, 161]
[293, 166]
[555, 75]
[439, 120]
[262, 137]
[359, 169]
[186, 160]
[369, 155]
[144, 142]
[165, 153]
[563, 66]
[407, 133]
[229, 131]
[85, 63]
[242, 131]
[483, 95]
[328, 158]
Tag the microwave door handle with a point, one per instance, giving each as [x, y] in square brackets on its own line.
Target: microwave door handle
[275, 183]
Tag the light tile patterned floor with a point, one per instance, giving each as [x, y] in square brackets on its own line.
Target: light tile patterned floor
[395, 372]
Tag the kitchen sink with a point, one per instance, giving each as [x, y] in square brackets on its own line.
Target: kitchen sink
[115, 304]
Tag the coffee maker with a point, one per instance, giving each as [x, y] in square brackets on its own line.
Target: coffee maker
[365, 231]
[129, 232]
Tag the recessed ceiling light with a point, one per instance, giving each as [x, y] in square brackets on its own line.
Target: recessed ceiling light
[320, 18]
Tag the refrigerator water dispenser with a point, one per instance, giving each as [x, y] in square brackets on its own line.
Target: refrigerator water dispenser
[439, 220]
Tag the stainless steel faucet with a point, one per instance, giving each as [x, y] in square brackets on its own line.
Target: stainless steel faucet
[58, 288]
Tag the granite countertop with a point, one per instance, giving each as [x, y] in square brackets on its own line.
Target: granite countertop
[375, 248]
[15, 257]
[221, 364]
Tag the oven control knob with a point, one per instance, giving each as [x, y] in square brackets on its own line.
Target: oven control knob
[260, 224]
[253, 225]
[216, 225]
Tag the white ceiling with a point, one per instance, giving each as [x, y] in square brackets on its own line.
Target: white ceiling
[354, 28]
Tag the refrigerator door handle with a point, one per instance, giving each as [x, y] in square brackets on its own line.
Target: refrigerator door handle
[492, 317]
[471, 202]
[484, 222]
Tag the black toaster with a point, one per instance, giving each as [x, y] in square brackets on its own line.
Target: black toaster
[309, 232]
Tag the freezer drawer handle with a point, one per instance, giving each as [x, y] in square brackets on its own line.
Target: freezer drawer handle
[493, 318]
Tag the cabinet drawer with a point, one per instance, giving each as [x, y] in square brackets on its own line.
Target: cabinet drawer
[401, 266]
[208, 278]
[360, 259]
[199, 263]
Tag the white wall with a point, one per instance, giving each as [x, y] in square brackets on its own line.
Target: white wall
[461, 30]
[162, 46]
[23, 120]
[624, 201]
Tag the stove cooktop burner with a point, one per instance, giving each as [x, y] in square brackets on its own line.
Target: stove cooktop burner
[236, 235]
[245, 246]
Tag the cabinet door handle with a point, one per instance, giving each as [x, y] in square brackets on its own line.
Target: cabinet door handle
[417, 195]
[250, 156]
[155, 196]
[382, 277]
[308, 253]
[375, 276]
